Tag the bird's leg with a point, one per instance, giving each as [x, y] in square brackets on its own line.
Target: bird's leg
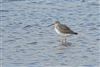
[65, 40]
[61, 39]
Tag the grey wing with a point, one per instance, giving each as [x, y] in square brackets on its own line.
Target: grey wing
[65, 29]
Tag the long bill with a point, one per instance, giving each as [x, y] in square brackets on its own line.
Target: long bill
[50, 25]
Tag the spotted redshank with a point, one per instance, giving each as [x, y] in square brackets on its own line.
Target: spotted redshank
[62, 30]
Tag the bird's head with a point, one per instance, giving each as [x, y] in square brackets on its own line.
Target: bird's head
[55, 23]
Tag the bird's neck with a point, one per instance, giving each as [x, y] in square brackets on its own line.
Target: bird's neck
[57, 24]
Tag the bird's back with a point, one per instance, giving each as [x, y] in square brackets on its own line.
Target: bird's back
[64, 29]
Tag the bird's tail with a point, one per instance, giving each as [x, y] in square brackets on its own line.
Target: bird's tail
[75, 33]
[72, 32]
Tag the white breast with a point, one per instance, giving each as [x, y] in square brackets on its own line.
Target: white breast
[60, 33]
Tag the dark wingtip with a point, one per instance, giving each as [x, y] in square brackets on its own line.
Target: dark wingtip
[75, 33]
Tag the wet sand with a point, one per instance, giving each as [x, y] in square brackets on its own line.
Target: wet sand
[26, 41]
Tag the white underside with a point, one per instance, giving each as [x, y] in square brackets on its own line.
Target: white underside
[61, 34]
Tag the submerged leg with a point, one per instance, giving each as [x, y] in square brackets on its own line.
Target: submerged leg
[61, 40]
[65, 40]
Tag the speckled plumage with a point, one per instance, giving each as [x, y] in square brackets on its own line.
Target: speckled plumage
[63, 29]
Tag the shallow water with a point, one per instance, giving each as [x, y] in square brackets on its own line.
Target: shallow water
[26, 41]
